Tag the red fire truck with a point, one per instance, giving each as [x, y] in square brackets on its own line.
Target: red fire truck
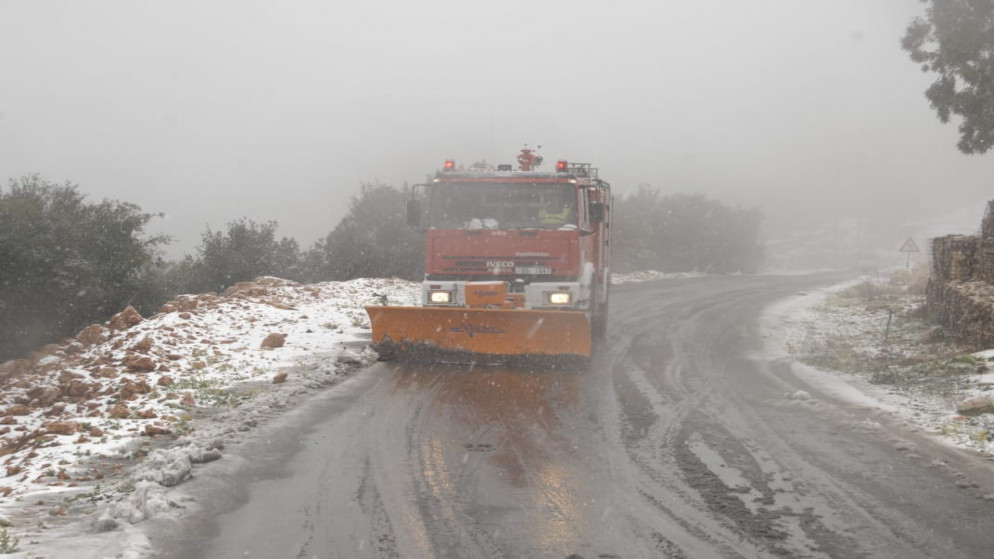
[517, 263]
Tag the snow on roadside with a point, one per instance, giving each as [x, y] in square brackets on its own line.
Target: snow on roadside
[649, 275]
[789, 323]
[114, 412]
[812, 325]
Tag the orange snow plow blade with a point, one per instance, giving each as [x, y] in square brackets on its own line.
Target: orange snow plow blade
[496, 332]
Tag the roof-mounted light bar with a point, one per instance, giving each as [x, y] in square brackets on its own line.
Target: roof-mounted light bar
[562, 166]
[450, 165]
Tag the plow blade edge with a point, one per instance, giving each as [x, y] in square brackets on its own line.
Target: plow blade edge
[482, 331]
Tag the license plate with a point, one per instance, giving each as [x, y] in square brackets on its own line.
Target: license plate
[532, 270]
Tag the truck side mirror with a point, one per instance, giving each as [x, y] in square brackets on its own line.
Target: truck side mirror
[596, 212]
[414, 213]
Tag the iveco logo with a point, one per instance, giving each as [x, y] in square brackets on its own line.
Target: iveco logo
[499, 264]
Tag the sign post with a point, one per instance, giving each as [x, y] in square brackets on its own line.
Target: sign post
[909, 246]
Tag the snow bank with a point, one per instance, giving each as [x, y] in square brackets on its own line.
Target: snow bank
[127, 408]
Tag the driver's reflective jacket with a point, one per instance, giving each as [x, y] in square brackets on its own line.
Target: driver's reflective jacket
[549, 218]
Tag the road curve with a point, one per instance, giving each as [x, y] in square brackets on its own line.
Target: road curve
[680, 442]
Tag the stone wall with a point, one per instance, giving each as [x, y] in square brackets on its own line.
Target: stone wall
[985, 260]
[960, 292]
[966, 308]
[953, 257]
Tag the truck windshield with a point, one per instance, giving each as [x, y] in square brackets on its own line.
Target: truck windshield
[502, 206]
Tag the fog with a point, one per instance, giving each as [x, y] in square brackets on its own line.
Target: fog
[209, 112]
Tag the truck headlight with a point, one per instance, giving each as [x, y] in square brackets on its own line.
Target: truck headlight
[440, 297]
[558, 298]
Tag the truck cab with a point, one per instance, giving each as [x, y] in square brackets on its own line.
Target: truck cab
[516, 265]
[543, 235]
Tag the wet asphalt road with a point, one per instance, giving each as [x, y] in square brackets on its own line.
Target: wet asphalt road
[680, 441]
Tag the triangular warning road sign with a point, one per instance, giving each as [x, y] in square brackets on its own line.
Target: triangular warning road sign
[909, 246]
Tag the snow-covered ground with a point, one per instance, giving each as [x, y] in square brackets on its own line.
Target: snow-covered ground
[878, 355]
[649, 275]
[98, 426]
[95, 431]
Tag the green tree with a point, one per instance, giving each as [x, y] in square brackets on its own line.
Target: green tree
[955, 40]
[684, 233]
[246, 251]
[372, 240]
[162, 281]
[634, 223]
[66, 263]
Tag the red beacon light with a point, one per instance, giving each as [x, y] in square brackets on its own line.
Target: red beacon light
[562, 166]
[450, 165]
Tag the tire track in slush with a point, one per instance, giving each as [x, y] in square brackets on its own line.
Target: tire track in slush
[650, 444]
[706, 422]
[698, 446]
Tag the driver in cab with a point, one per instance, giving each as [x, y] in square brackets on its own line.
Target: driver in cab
[554, 214]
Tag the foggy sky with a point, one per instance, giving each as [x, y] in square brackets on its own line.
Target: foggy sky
[213, 111]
